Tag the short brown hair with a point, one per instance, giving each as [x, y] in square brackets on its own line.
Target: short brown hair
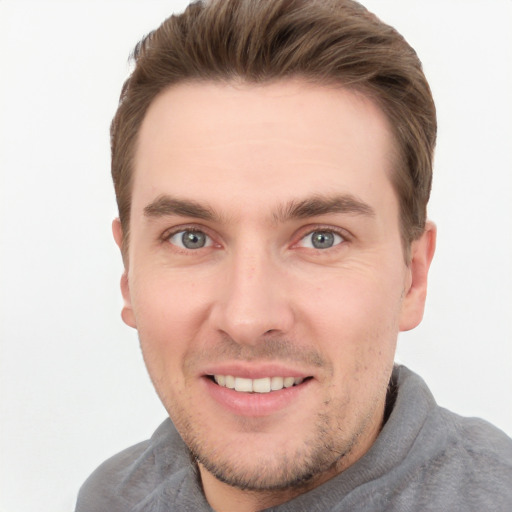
[322, 41]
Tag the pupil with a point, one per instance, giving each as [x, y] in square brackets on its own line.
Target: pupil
[193, 240]
[322, 239]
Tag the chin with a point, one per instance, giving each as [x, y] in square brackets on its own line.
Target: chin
[266, 461]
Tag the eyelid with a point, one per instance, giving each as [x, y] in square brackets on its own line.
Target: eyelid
[169, 233]
[308, 230]
[175, 240]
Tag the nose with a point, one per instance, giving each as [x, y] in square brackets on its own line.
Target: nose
[252, 299]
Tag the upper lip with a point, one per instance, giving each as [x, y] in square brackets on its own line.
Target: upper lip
[251, 370]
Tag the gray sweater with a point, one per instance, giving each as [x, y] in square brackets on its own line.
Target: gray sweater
[425, 459]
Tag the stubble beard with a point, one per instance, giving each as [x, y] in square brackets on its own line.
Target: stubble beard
[319, 457]
[275, 469]
[325, 450]
[281, 472]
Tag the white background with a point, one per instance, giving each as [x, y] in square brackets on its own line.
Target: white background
[73, 386]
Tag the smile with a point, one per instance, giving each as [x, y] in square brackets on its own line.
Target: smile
[263, 385]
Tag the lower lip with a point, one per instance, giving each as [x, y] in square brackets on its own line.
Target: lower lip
[255, 404]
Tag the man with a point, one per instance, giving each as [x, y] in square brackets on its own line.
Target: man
[272, 164]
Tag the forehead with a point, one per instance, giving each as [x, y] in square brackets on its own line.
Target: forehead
[229, 142]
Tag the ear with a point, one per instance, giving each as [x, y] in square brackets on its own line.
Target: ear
[415, 292]
[127, 312]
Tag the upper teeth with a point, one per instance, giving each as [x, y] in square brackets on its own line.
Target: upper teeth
[264, 385]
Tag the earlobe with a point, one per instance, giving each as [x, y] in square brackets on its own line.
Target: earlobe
[415, 293]
[127, 311]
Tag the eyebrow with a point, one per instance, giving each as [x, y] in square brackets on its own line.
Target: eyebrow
[165, 205]
[322, 205]
[313, 206]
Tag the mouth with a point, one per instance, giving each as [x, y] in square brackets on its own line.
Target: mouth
[261, 385]
[258, 392]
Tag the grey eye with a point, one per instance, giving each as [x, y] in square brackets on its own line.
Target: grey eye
[321, 240]
[190, 239]
[193, 239]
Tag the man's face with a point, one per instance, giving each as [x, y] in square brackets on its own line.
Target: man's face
[265, 254]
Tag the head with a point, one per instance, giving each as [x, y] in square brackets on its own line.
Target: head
[272, 163]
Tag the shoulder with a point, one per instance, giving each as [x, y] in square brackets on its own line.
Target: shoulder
[469, 464]
[486, 450]
[472, 437]
[473, 470]
[125, 480]
[451, 462]
[104, 489]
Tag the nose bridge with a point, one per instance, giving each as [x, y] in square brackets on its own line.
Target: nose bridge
[252, 301]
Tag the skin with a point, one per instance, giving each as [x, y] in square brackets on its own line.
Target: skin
[234, 161]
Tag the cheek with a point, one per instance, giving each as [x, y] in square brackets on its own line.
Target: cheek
[355, 314]
[163, 299]
[354, 323]
[169, 313]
